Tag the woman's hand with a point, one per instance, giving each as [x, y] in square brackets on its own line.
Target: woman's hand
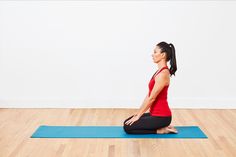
[132, 120]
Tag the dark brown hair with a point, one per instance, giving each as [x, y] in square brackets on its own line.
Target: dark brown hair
[169, 49]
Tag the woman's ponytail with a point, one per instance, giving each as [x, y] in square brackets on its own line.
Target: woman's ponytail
[173, 64]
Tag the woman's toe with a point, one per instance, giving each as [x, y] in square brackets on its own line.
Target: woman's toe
[172, 130]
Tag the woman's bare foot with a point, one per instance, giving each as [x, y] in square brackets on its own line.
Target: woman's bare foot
[170, 126]
[161, 131]
[166, 130]
[172, 129]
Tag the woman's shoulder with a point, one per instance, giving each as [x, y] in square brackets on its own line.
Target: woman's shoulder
[164, 75]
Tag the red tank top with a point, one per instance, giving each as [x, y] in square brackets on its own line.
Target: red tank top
[160, 106]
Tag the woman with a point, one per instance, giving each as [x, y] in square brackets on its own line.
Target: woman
[158, 120]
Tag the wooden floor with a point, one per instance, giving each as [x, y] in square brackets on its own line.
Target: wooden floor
[17, 125]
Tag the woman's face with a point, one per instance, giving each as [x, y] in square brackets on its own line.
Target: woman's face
[157, 55]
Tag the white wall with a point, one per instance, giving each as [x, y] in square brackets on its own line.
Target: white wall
[98, 53]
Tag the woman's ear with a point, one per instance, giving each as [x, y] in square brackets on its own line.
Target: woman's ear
[163, 55]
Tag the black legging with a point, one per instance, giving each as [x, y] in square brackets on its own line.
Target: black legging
[147, 124]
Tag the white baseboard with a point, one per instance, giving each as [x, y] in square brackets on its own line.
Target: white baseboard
[191, 103]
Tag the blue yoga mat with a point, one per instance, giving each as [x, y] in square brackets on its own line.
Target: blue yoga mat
[110, 132]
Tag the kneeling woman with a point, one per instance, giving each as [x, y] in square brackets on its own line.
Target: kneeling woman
[158, 120]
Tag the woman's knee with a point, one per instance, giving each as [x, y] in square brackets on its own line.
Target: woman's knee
[127, 129]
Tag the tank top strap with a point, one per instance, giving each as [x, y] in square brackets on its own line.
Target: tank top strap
[160, 70]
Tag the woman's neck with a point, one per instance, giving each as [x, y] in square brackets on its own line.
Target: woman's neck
[161, 64]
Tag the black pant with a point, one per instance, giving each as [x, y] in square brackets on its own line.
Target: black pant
[147, 124]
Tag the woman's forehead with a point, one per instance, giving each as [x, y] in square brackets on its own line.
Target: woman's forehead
[157, 48]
